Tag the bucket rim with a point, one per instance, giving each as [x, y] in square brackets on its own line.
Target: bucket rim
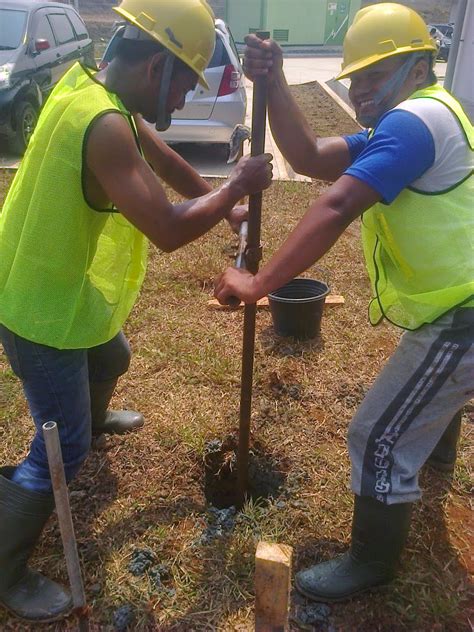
[310, 299]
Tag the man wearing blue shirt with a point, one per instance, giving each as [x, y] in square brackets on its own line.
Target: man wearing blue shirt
[409, 177]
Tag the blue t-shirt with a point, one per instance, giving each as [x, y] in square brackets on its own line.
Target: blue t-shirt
[398, 153]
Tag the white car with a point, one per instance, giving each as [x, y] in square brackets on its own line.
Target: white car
[209, 116]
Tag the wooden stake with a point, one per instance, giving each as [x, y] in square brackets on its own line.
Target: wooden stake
[272, 586]
[331, 299]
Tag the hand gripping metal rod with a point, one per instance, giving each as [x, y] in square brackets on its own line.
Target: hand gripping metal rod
[63, 509]
[259, 117]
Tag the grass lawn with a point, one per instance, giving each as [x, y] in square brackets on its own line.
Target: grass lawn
[145, 491]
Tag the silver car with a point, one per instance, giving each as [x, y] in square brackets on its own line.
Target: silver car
[209, 116]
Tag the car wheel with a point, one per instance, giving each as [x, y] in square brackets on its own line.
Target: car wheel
[221, 151]
[26, 117]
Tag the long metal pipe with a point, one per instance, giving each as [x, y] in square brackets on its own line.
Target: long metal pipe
[459, 78]
[259, 117]
[454, 49]
[63, 509]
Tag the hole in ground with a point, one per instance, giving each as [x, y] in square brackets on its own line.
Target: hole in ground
[266, 475]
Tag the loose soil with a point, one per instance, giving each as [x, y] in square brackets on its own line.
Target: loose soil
[142, 497]
[265, 474]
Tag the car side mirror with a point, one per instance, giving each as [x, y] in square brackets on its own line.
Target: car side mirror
[42, 45]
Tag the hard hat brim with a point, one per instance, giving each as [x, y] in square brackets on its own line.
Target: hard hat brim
[369, 61]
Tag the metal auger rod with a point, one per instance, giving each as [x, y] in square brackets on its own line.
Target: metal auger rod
[259, 117]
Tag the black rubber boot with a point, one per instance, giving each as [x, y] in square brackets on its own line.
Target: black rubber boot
[24, 592]
[379, 533]
[443, 457]
[110, 421]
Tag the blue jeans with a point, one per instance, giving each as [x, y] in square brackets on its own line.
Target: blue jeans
[56, 386]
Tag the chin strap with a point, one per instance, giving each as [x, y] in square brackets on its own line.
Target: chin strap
[391, 86]
[163, 117]
[398, 78]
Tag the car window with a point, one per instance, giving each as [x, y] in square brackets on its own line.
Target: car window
[232, 44]
[12, 28]
[44, 31]
[62, 28]
[220, 56]
[79, 26]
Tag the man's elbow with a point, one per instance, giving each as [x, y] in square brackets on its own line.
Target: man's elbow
[168, 241]
[300, 166]
[166, 244]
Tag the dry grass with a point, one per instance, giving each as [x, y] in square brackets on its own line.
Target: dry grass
[146, 490]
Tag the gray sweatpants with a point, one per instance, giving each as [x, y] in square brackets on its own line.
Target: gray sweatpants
[429, 377]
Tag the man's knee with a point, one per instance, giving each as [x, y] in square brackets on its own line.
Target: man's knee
[110, 360]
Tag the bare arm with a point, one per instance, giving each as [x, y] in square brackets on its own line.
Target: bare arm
[325, 158]
[127, 180]
[169, 165]
[320, 228]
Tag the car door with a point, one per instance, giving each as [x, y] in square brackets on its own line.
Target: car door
[45, 57]
[85, 46]
[68, 49]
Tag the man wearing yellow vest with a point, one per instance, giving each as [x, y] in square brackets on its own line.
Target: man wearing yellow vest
[409, 176]
[73, 254]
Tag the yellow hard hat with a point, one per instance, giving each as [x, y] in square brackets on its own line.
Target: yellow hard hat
[185, 27]
[380, 31]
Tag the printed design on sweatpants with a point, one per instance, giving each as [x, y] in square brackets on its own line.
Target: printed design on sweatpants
[440, 362]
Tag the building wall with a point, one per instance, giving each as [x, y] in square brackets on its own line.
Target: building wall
[300, 23]
[244, 16]
[304, 20]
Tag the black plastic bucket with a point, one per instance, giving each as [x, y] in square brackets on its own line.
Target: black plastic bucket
[297, 308]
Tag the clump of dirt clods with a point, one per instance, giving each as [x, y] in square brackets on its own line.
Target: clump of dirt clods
[265, 473]
[124, 618]
[313, 616]
[143, 561]
[220, 522]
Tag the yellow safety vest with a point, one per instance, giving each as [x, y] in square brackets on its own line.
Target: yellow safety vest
[419, 250]
[69, 274]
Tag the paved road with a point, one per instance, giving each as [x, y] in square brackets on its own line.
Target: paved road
[209, 159]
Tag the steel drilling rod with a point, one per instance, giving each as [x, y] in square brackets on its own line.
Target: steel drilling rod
[252, 260]
[63, 509]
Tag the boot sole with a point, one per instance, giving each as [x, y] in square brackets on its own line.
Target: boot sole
[58, 617]
[111, 433]
[323, 599]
